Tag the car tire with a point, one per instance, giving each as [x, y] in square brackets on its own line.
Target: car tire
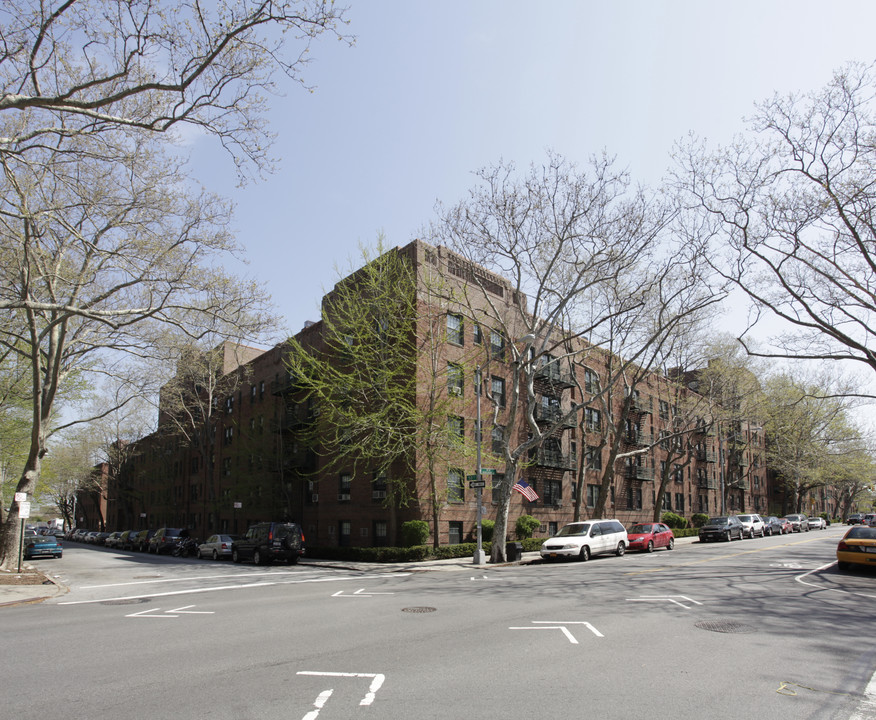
[729, 536]
[650, 547]
[215, 555]
[235, 556]
[621, 549]
[584, 555]
[256, 557]
[671, 545]
[293, 560]
[841, 565]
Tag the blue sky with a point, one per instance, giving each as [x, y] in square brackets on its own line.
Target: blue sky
[431, 91]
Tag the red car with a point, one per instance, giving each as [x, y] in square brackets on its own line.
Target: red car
[648, 536]
[787, 528]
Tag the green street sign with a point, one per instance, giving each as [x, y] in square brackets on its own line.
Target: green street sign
[488, 471]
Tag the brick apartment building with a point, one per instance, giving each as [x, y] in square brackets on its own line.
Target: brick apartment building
[251, 463]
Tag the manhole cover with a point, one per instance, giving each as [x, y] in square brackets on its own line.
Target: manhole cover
[724, 626]
[419, 609]
[125, 601]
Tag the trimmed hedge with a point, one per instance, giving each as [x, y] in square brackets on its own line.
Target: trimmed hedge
[417, 553]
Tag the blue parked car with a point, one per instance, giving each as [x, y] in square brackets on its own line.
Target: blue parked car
[41, 546]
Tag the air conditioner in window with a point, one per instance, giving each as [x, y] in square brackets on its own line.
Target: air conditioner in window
[454, 391]
[379, 494]
[342, 497]
[314, 498]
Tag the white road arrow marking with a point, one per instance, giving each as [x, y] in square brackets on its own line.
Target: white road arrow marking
[483, 577]
[359, 593]
[666, 598]
[561, 626]
[170, 613]
[376, 683]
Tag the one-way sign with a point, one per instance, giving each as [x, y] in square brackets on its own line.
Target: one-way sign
[477, 483]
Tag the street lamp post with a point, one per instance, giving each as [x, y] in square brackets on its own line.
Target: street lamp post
[479, 556]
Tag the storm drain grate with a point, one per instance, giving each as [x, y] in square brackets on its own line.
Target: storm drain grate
[419, 609]
[724, 626]
[125, 601]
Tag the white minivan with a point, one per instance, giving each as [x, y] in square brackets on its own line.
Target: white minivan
[585, 539]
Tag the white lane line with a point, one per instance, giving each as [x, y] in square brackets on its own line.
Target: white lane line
[158, 581]
[195, 591]
[800, 579]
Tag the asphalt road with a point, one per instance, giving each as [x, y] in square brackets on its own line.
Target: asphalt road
[753, 629]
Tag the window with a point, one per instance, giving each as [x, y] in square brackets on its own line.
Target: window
[552, 492]
[229, 435]
[591, 381]
[345, 483]
[455, 329]
[454, 379]
[497, 345]
[252, 394]
[229, 405]
[592, 419]
[667, 501]
[378, 486]
[454, 532]
[455, 429]
[594, 458]
[664, 410]
[679, 502]
[496, 481]
[344, 531]
[261, 389]
[497, 388]
[477, 337]
[455, 486]
[380, 533]
[634, 498]
[592, 495]
[498, 440]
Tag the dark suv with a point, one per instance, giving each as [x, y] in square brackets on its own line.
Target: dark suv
[725, 527]
[165, 538]
[269, 541]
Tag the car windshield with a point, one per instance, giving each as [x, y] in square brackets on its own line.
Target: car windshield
[746, 518]
[718, 521]
[861, 532]
[573, 529]
[641, 529]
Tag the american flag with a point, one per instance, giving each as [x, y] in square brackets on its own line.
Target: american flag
[525, 489]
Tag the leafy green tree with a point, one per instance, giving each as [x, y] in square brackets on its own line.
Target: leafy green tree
[370, 378]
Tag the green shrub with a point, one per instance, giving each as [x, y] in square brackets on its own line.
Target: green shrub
[526, 525]
[673, 520]
[699, 519]
[487, 528]
[414, 532]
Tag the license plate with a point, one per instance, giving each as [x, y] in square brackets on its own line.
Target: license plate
[869, 549]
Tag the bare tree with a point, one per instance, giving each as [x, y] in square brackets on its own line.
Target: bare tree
[83, 67]
[568, 240]
[101, 258]
[103, 245]
[788, 212]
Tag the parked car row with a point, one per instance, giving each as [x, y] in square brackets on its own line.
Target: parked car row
[263, 542]
[729, 527]
[583, 540]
